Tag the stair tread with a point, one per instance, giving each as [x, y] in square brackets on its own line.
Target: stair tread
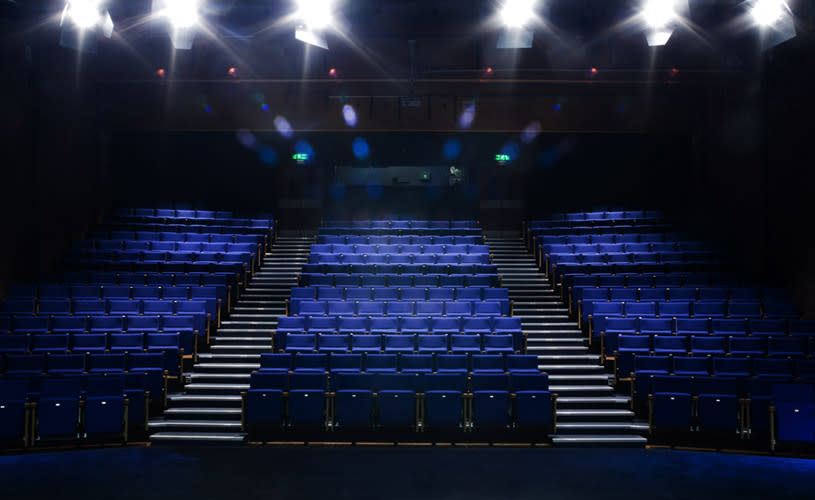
[198, 436]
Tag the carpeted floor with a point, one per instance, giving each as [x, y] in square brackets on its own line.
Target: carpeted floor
[396, 473]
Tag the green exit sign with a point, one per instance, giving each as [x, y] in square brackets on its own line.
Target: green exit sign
[502, 158]
[299, 157]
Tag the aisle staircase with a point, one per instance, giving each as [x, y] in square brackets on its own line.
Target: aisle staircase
[209, 409]
[589, 413]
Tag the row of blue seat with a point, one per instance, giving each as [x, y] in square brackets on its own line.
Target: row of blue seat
[608, 239]
[169, 344]
[305, 307]
[686, 405]
[739, 369]
[579, 294]
[417, 280]
[600, 313]
[187, 213]
[467, 342]
[74, 407]
[395, 324]
[116, 230]
[84, 307]
[623, 215]
[164, 240]
[582, 228]
[162, 246]
[184, 325]
[396, 224]
[95, 343]
[403, 259]
[551, 250]
[399, 293]
[223, 282]
[658, 280]
[335, 362]
[117, 292]
[402, 401]
[396, 249]
[403, 239]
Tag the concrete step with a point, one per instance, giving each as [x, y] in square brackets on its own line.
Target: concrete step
[593, 415]
[225, 367]
[216, 377]
[563, 368]
[216, 388]
[267, 339]
[601, 428]
[204, 413]
[619, 402]
[195, 425]
[228, 358]
[197, 438]
[241, 349]
[580, 379]
[580, 359]
[599, 441]
[204, 400]
[593, 390]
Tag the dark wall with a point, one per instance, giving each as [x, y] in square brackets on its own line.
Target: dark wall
[55, 174]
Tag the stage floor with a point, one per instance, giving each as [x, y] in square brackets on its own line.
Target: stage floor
[361, 472]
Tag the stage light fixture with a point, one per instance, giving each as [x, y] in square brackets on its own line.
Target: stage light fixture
[774, 20]
[82, 21]
[767, 12]
[182, 17]
[314, 18]
[316, 14]
[181, 13]
[517, 13]
[660, 18]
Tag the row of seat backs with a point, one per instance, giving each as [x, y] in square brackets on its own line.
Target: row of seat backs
[600, 312]
[146, 240]
[400, 224]
[401, 239]
[33, 365]
[436, 249]
[237, 267]
[405, 259]
[734, 345]
[415, 382]
[566, 271]
[123, 246]
[609, 238]
[220, 280]
[716, 279]
[737, 368]
[566, 262]
[126, 230]
[746, 326]
[170, 216]
[577, 227]
[66, 307]
[423, 363]
[417, 280]
[468, 342]
[553, 249]
[399, 293]
[393, 324]
[599, 215]
[115, 292]
[187, 213]
[305, 307]
[136, 256]
[679, 293]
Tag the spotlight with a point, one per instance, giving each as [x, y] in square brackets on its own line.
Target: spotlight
[773, 19]
[593, 71]
[332, 72]
[84, 14]
[316, 14]
[232, 72]
[767, 12]
[658, 13]
[182, 13]
[660, 18]
[85, 19]
[182, 16]
[517, 13]
[489, 70]
[161, 73]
